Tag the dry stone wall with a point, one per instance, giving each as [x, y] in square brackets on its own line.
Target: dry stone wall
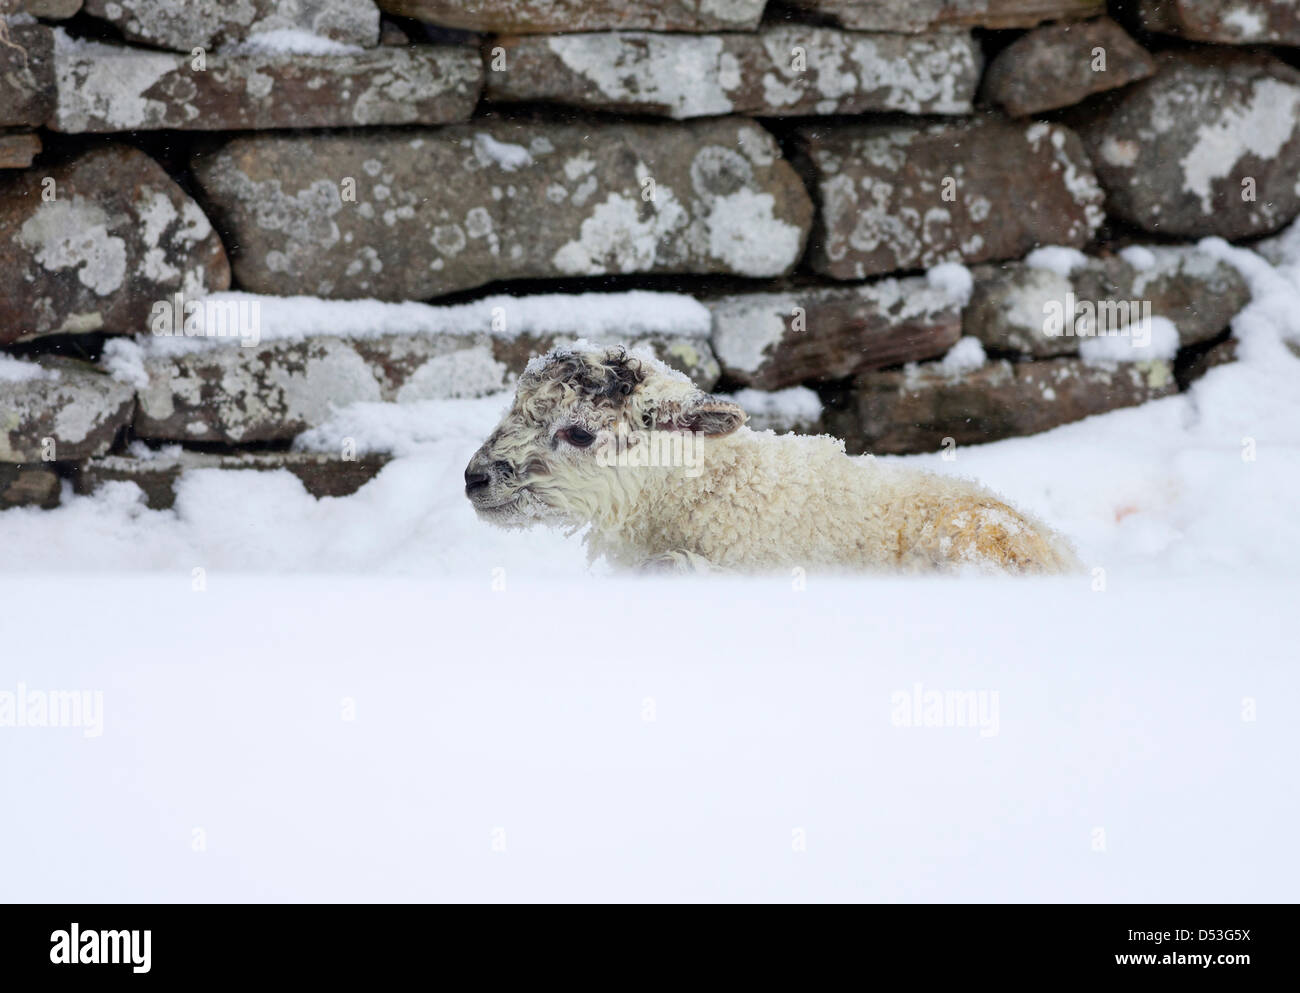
[905, 222]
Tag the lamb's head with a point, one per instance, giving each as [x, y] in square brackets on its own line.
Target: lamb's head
[549, 460]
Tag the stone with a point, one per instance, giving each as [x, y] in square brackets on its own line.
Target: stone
[70, 412]
[50, 10]
[545, 16]
[28, 486]
[773, 340]
[18, 150]
[782, 71]
[215, 390]
[1222, 353]
[796, 409]
[922, 15]
[115, 88]
[208, 24]
[915, 409]
[322, 475]
[1210, 145]
[1059, 65]
[117, 236]
[26, 75]
[897, 197]
[438, 211]
[1227, 22]
[1010, 305]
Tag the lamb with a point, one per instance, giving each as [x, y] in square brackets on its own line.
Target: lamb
[668, 477]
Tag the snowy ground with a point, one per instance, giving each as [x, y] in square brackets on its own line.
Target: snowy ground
[354, 707]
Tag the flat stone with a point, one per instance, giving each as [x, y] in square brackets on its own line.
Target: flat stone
[796, 409]
[214, 390]
[774, 340]
[118, 236]
[1227, 22]
[71, 412]
[50, 10]
[784, 70]
[322, 475]
[913, 410]
[897, 197]
[545, 16]
[1011, 303]
[438, 211]
[114, 88]
[1210, 145]
[18, 150]
[183, 26]
[28, 486]
[1058, 65]
[922, 15]
[27, 75]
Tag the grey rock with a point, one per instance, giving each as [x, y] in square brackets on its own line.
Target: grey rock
[72, 412]
[922, 15]
[1239, 22]
[117, 236]
[774, 340]
[1210, 145]
[28, 486]
[444, 210]
[114, 88]
[183, 26]
[545, 16]
[897, 197]
[26, 75]
[1062, 64]
[784, 70]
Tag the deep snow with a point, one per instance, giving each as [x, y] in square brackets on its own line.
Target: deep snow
[501, 687]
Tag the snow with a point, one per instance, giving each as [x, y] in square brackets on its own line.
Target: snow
[508, 156]
[1146, 339]
[793, 405]
[289, 41]
[1139, 257]
[123, 359]
[379, 697]
[966, 355]
[1056, 258]
[599, 316]
[14, 370]
[954, 279]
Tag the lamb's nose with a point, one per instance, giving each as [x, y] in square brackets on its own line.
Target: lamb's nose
[475, 480]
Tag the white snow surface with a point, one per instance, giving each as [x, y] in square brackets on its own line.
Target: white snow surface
[630, 738]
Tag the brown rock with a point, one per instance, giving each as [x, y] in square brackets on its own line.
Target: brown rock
[911, 196]
[322, 475]
[443, 210]
[18, 150]
[915, 409]
[183, 25]
[1062, 64]
[773, 340]
[26, 75]
[1210, 145]
[27, 486]
[113, 88]
[51, 10]
[118, 236]
[922, 15]
[784, 70]
[1202, 362]
[1241, 22]
[691, 356]
[70, 412]
[545, 16]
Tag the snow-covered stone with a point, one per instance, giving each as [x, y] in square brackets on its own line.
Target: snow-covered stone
[115, 88]
[1210, 145]
[92, 244]
[773, 340]
[1232, 22]
[443, 210]
[784, 70]
[71, 412]
[897, 197]
[213, 23]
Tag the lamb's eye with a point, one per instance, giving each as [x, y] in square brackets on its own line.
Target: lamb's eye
[577, 437]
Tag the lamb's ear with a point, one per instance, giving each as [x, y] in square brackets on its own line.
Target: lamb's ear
[711, 416]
